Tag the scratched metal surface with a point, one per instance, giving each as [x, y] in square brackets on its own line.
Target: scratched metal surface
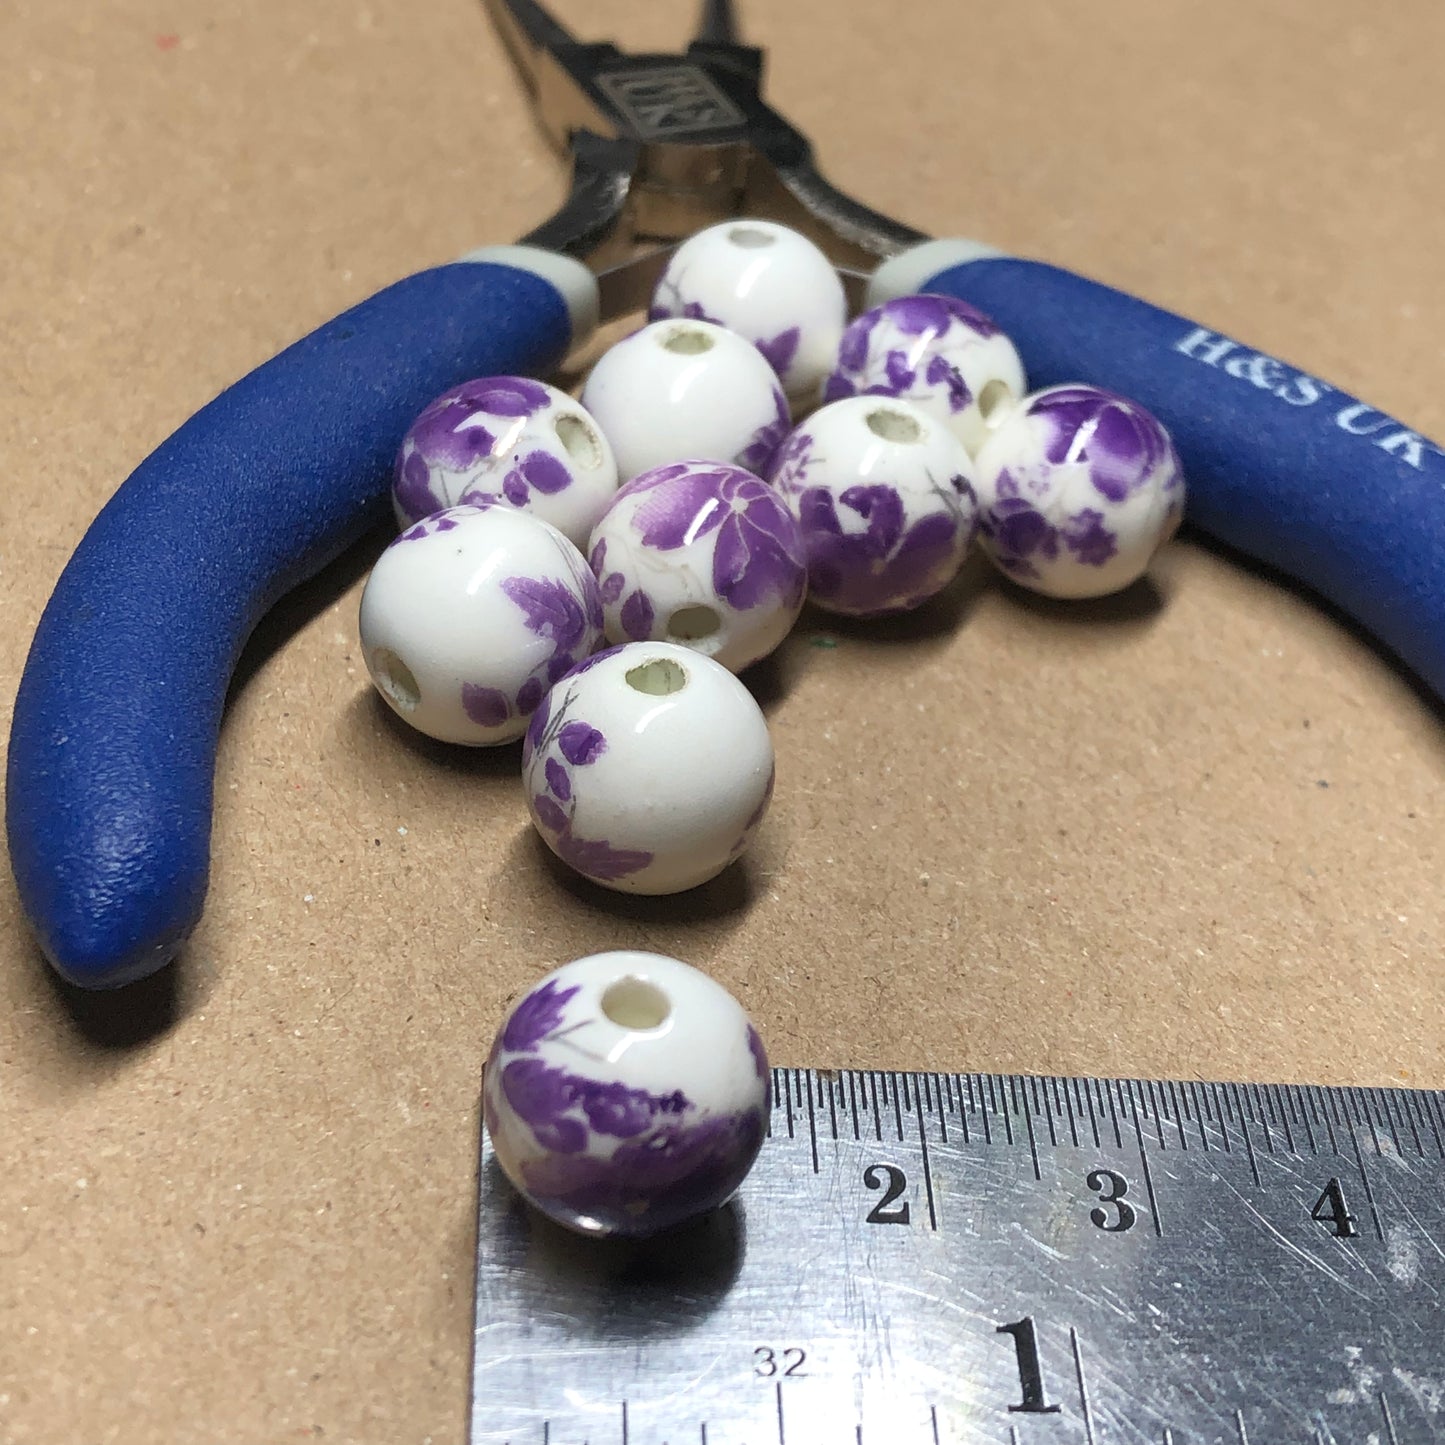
[921, 1259]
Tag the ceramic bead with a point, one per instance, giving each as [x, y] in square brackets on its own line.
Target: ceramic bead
[471, 615]
[686, 389]
[1078, 488]
[885, 497]
[626, 1093]
[508, 439]
[703, 554]
[648, 768]
[937, 352]
[767, 283]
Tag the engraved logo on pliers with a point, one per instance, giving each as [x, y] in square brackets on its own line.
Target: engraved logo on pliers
[663, 101]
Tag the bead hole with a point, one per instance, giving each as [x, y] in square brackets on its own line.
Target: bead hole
[659, 678]
[992, 401]
[893, 426]
[750, 238]
[687, 341]
[395, 679]
[579, 440]
[633, 1003]
[692, 624]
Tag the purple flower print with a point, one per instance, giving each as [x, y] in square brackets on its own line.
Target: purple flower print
[1019, 533]
[1086, 536]
[757, 552]
[547, 1100]
[412, 486]
[580, 743]
[931, 315]
[597, 858]
[486, 706]
[436, 522]
[779, 351]
[551, 610]
[537, 1016]
[529, 695]
[637, 616]
[882, 567]
[757, 456]
[904, 348]
[559, 780]
[673, 1171]
[549, 813]
[459, 433]
[1121, 443]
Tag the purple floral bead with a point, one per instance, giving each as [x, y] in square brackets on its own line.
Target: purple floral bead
[626, 1093]
[939, 353]
[884, 495]
[471, 615]
[702, 554]
[649, 769]
[767, 283]
[508, 440]
[686, 388]
[1078, 489]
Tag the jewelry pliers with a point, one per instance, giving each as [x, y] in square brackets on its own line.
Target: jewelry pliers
[114, 736]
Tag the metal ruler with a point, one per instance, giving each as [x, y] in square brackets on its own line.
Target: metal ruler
[928, 1259]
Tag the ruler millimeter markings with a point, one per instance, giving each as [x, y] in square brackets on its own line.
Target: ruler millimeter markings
[943, 1259]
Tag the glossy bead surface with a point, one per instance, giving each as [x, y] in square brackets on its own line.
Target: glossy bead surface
[510, 439]
[686, 389]
[471, 615]
[767, 283]
[884, 494]
[1078, 488]
[627, 1092]
[937, 352]
[703, 554]
[648, 768]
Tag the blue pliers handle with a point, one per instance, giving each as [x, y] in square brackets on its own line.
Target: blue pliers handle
[113, 742]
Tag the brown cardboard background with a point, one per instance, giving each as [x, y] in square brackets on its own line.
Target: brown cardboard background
[236, 1202]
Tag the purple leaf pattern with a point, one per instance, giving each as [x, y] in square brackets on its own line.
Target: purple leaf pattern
[915, 347]
[478, 440]
[577, 744]
[1079, 478]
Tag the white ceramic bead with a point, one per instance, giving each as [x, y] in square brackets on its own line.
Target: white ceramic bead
[1078, 488]
[686, 389]
[510, 439]
[884, 493]
[767, 283]
[937, 352]
[626, 1093]
[703, 554]
[471, 615]
[648, 768]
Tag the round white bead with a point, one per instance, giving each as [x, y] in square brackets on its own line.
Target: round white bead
[937, 352]
[648, 768]
[471, 615]
[686, 389]
[767, 283]
[703, 554]
[1078, 488]
[508, 439]
[884, 493]
[626, 1093]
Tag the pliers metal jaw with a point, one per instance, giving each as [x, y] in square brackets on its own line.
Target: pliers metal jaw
[664, 145]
